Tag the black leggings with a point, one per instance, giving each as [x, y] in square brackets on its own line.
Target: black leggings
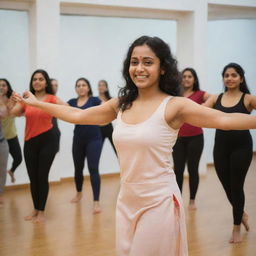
[188, 150]
[106, 132]
[232, 161]
[39, 153]
[15, 152]
[91, 149]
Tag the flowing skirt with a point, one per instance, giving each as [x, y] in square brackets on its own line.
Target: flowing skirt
[150, 220]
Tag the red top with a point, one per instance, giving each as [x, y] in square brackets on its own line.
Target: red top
[37, 121]
[187, 129]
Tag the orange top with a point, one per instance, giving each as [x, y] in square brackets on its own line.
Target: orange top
[37, 121]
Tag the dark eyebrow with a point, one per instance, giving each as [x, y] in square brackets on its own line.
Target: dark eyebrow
[144, 58]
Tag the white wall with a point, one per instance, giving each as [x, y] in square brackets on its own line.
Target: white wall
[14, 63]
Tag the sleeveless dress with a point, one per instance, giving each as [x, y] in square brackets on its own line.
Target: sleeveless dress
[150, 217]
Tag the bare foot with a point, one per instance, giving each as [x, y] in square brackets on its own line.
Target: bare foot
[245, 221]
[77, 198]
[192, 205]
[96, 207]
[12, 176]
[236, 235]
[31, 216]
[40, 218]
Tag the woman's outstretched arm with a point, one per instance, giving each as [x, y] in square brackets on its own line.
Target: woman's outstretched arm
[187, 111]
[101, 114]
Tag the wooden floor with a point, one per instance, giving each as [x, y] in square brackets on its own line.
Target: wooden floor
[72, 230]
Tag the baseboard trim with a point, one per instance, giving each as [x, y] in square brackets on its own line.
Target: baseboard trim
[62, 180]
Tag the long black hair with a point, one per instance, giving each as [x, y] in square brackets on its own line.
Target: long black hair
[9, 88]
[196, 85]
[90, 93]
[169, 81]
[48, 88]
[243, 85]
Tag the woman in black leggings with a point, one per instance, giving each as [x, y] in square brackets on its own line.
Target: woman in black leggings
[190, 142]
[40, 142]
[87, 143]
[233, 149]
[104, 95]
[9, 129]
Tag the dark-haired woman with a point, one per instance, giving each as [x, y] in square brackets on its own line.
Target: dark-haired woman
[87, 143]
[190, 142]
[9, 129]
[233, 149]
[39, 147]
[104, 95]
[149, 216]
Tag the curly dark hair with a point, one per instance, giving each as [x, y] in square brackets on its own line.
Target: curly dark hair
[9, 88]
[243, 86]
[169, 82]
[48, 88]
[196, 86]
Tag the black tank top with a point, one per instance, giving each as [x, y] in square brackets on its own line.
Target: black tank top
[233, 136]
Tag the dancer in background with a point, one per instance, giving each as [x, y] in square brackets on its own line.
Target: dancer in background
[9, 129]
[233, 149]
[87, 143]
[4, 151]
[55, 85]
[190, 142]
[104, 95]
[149, 205]
[40, 142]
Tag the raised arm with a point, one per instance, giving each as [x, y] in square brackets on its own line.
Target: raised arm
[101, 114]
[250, 101]
[210, 101]
[187, 111]
[61, 102]
[14, 107]
[206, 96]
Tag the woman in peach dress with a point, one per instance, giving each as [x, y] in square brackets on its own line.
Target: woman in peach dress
[149, 218]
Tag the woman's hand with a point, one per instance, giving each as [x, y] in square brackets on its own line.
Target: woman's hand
[27, 98]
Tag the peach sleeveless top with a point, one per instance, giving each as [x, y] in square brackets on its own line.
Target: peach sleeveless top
[150, 217]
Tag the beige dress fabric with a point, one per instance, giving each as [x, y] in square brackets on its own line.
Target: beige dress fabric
[150, 217]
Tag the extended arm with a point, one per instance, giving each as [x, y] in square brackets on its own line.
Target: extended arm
[101, 114]
[188, 111]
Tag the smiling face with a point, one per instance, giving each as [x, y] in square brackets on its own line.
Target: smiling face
[82, 88]
[144, 67]
[39, 82]
[3, 88]
[232, 79]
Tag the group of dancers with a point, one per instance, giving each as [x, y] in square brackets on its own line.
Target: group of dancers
[152, 121]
